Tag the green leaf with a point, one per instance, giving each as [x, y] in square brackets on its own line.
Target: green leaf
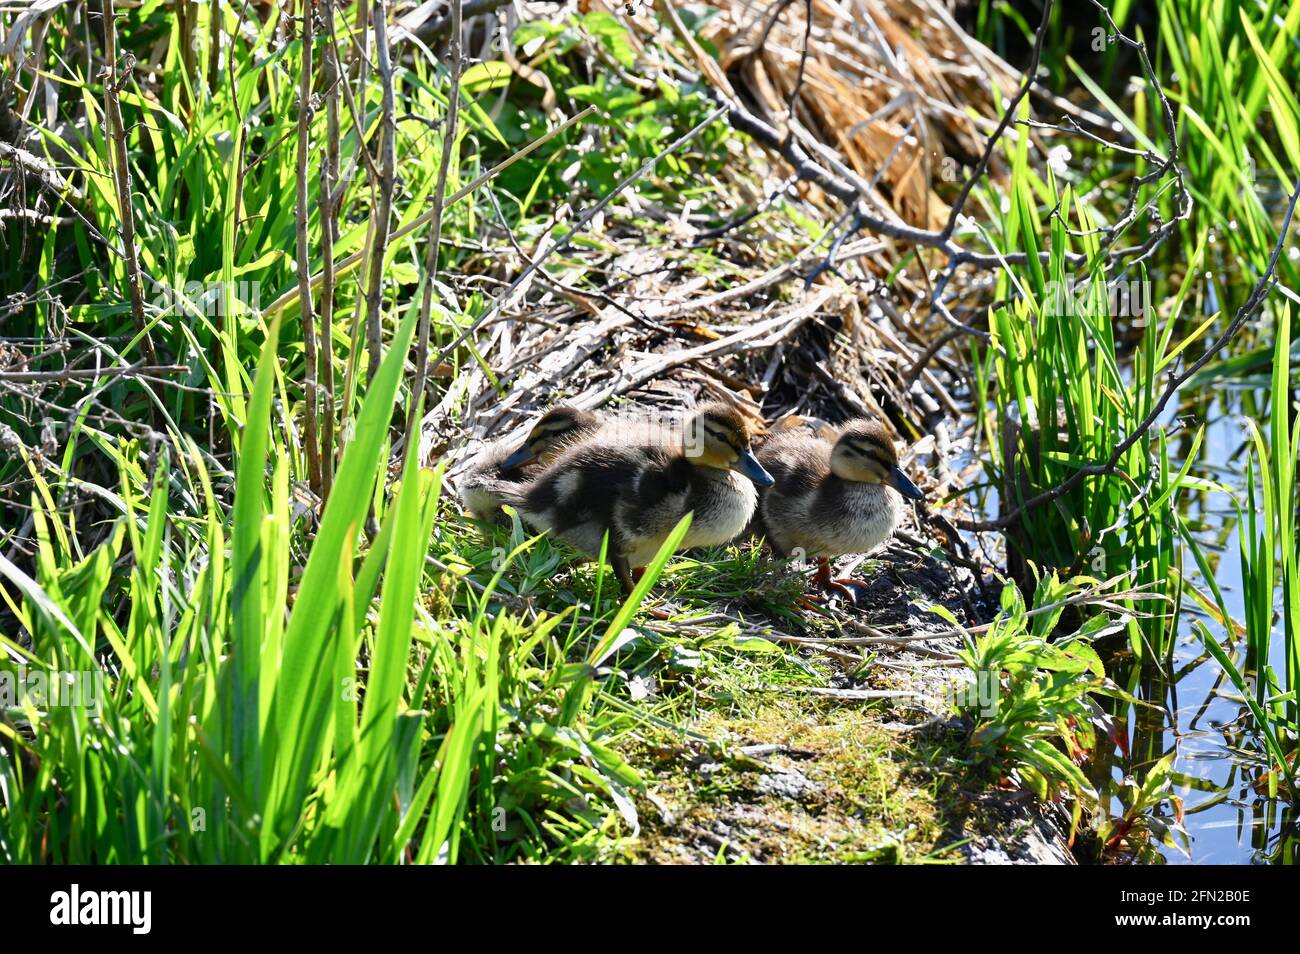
[248, 565]
[297, 726]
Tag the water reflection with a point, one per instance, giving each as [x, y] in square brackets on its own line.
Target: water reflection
[1196, 713]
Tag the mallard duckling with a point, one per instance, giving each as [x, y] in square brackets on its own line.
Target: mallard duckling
[557, 430]
[803, 424]
[832, 496]
[560, 427]
[638, 493]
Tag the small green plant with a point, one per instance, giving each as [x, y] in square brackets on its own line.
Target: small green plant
[1034, 711]
[1141, 826]
[637, 118]
[1239, 116]
[1270, 549]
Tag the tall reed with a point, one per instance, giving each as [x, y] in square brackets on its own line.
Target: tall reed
[1270, 573]
[1057, 396]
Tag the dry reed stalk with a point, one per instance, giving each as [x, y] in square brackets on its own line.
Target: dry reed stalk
[435, 237]
[301, 217]
[330, 198]
[380, 223]
[122, 181]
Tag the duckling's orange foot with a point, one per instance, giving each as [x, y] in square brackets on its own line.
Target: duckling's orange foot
[823, 599]
[665, 610]
[812, 601]
[834, 590]
[850, 590]
[855, 591]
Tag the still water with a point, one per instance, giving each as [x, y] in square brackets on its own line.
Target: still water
[1204, 721]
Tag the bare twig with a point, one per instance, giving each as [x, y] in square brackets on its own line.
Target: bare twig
[379, 234]
[41, 169]
[1008, 114]
[122, 180]
[803, 64]
[849, 192]
[329, 214]
[138, 369]
[360, 47]
[431, 256]
[302, 214]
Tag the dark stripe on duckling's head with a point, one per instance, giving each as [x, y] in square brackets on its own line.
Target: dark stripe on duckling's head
[865, 453]
[869, 440]
[559, 426]
[719, 436]
[728, 416]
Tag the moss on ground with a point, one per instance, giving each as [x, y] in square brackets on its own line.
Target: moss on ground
[796, 780]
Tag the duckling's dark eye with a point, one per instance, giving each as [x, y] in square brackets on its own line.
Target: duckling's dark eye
[729, 438]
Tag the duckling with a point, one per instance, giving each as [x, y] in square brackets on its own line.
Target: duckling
[638, 493]
[804, 424]
[558, 428]
[833, 493]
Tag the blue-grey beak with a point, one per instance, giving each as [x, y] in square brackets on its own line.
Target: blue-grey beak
[900, 482]
[520, 457]
[749, 466]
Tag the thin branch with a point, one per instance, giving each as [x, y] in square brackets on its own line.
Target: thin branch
[846, 191]
[302, 215]
[383, 208]
[1008, 114]
[122, 179]
[431, 257]
[80, 374]
[803, 64]
[329, 214]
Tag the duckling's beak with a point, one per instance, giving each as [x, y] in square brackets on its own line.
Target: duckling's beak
[900, 482]
[749, 466]
[525, 455]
